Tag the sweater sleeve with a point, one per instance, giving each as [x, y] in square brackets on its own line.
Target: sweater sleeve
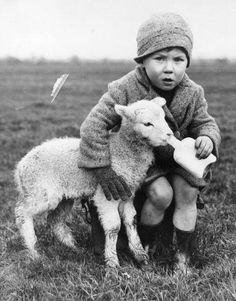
[94, 131]
[203, 124]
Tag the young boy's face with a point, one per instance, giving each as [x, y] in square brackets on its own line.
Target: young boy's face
[166, 68]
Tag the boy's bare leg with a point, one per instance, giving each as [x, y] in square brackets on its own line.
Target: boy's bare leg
[159, 197]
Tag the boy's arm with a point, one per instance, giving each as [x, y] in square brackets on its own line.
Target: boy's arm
[203, 124]
[94, 131]
[94, 145]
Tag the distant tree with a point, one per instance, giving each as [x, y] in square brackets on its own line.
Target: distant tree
[74, 60]
[223, 61]
[10, 60]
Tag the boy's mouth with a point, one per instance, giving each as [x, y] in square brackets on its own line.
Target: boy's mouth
[167, 81]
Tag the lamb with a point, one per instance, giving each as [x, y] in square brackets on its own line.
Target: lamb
[48, 180]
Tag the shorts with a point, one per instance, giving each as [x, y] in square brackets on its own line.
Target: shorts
[156, 172]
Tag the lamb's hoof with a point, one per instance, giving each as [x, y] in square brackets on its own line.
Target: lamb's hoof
[112, 264]
[182, 270]
[145, 262]
[181, 267]
[70, 243]
[34, 255]
[142, 257]
[147, 267]
[112, 272]
[78, 250]
[75, 247]
[112, 269]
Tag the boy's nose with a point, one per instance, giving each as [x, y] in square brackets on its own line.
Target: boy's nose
[168, 67]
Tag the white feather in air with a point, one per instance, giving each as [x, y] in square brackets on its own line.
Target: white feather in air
[58, 85]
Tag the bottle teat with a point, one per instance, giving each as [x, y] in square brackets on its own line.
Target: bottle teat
[173, 141]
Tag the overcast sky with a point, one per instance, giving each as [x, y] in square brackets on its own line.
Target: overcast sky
[59, 29]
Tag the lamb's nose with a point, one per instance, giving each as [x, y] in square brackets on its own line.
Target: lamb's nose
[169, 134]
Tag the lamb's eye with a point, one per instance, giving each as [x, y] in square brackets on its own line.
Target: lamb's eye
[148, 124]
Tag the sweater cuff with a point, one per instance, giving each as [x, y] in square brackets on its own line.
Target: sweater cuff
[215, 138]
[93, 159]
[88, 162]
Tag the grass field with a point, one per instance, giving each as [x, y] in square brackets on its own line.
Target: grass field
[27, 118]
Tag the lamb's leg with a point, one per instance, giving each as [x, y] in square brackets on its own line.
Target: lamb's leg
[26, 228]
[26, 208]
[111, 223]
[57, 221]
[128, 215]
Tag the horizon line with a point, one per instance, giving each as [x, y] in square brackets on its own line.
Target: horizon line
[75, 58]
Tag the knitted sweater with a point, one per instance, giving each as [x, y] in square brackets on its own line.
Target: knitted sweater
[186, 115]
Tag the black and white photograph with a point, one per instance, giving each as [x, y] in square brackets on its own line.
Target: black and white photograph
[117, 150]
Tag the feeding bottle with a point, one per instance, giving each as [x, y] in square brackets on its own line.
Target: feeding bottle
[185, 156]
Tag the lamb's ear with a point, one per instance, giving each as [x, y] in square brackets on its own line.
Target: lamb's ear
[159, 100]
[122, 111]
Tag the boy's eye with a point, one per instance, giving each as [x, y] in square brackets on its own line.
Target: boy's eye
[148, 124]
[159, 58]
[179, 59]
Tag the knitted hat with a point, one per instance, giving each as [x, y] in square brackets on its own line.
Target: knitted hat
[162, 31]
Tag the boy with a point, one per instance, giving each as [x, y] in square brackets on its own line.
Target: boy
[164, 46]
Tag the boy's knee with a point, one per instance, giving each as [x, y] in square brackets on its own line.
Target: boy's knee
[185, 193]
[160, 194]
[189, 193]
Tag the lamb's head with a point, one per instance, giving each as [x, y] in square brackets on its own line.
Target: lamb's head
[147, 119]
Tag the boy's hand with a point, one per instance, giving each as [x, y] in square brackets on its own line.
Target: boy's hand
[112, 184]
[204, 147]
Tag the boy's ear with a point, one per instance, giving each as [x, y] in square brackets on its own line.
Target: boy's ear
[123, 111]
[159, 100]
